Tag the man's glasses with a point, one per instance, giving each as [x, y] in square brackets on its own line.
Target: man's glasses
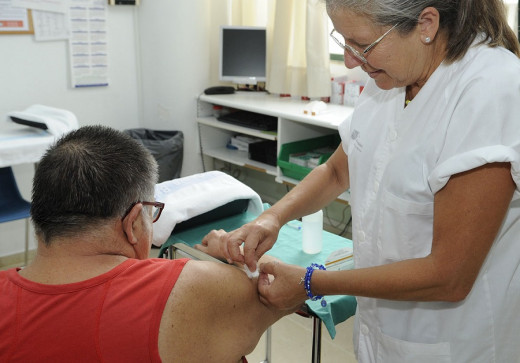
[359, 56]
[156, 211]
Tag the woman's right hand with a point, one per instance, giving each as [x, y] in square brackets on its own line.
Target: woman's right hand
[280, 285]
[258, 237]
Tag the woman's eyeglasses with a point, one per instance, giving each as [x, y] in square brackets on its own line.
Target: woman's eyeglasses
[359, 56]
[157, 208]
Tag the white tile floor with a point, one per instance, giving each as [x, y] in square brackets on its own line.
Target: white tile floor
[292, 342]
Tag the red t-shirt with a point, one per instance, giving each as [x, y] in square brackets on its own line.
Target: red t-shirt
[113, 317]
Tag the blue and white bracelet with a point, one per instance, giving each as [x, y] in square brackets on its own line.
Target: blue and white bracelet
[306, 280]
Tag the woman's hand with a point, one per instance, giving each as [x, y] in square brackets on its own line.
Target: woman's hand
[282, 289]
[257, 236]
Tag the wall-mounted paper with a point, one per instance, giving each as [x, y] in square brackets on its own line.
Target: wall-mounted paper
[14, 20]
[50, 25]
[88, 43]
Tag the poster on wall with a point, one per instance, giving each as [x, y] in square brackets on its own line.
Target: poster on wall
[49, 17]
[50, 25]
[88, 43]
[14, 20]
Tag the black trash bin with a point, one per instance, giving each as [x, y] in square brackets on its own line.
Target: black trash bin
[167, 147]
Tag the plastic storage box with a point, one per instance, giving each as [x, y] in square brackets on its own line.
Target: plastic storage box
[297, 171]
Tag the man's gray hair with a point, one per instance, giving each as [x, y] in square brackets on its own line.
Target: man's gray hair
[91, 175]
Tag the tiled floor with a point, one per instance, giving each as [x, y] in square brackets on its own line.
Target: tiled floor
[292, 343]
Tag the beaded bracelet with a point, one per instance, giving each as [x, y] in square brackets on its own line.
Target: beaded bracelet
[307, 283]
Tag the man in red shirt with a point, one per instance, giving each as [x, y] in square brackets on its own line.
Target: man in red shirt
[92, 293]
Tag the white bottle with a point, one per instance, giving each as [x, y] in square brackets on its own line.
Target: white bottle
[312, 233]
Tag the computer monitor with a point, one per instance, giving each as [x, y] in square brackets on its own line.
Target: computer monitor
[242, 54]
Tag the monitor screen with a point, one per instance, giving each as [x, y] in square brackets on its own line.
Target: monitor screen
[242, 54]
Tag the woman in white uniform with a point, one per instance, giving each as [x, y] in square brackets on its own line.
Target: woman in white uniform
[432, 159]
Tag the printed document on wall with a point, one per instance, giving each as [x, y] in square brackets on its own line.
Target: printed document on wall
[57, 6]
[50, 25]
[50, 18]
[88, 43]
[13, 19]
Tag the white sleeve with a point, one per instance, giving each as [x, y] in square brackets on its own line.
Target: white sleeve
[484, 128]
[344, 133]
[474, 159]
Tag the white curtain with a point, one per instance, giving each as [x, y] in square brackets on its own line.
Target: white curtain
[297, 42]
[299, 63]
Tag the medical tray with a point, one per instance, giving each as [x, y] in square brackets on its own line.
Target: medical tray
[299, 172]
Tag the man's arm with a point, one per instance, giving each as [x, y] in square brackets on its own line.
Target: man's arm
[213, 314]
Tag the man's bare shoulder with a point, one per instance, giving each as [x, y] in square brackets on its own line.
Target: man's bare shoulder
[220, 282]
[210, 303]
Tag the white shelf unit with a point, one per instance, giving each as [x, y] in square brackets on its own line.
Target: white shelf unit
[293, 125]
[214, 136]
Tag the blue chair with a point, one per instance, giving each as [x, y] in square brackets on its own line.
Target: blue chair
[12, 206]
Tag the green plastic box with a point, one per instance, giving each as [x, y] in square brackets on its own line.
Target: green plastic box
[297, 171]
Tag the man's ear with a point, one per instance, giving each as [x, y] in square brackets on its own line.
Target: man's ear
[129, 223]
[428, 24]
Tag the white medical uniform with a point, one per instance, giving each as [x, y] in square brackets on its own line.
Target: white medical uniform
[465, 116]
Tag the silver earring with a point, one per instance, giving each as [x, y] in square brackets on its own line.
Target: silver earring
[427, 40]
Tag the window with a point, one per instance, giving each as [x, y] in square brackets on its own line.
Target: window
[513, 12]
[336, 52]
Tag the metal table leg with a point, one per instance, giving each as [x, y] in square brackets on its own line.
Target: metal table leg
[316, 339]
[316, 332]
[267, 346]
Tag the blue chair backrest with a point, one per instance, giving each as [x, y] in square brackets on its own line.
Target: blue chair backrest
[12, 205]
[8, 188]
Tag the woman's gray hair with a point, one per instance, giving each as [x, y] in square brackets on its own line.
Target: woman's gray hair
[461, 20]
[90, 176]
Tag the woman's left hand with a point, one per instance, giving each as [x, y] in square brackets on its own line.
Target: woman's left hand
[283, 289]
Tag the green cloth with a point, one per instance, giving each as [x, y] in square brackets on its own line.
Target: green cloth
[288, 249]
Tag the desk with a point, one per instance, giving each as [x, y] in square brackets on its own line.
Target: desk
[288, 249]
[19, 144]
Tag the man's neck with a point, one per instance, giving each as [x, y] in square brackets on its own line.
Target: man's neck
[72, 261]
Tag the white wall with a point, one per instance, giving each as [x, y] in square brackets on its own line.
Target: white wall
[38, 72]
[174, 57]
[162, 43]
[159, 64]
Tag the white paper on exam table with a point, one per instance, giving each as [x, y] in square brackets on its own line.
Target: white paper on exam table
[342, 259]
